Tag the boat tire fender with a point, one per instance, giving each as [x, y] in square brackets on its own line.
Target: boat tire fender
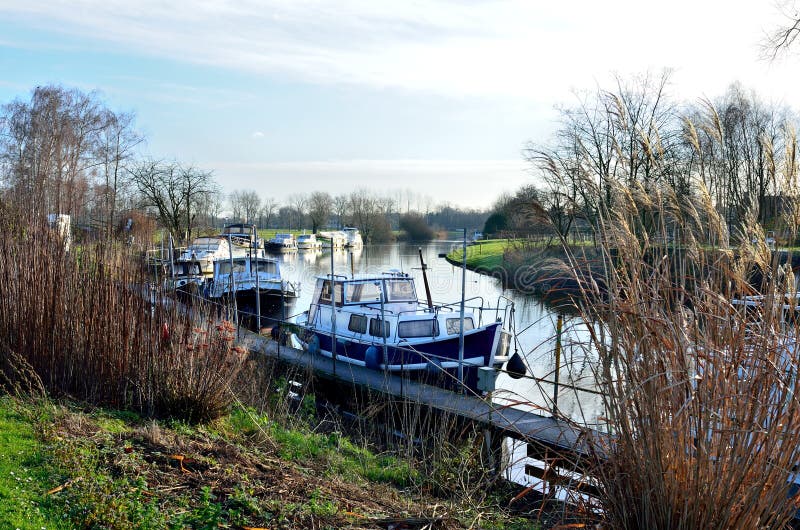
[313, 345]
[372, 358]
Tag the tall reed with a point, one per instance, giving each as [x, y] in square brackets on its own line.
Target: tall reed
[700, 394]
[85, 322]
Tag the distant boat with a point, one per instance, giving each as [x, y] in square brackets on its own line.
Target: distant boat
[243, 235]
[335, 238]
[353, 237]
[282, 243]
[308, 242]
[380, 324]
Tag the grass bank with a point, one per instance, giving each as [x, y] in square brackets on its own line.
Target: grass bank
[68, 465]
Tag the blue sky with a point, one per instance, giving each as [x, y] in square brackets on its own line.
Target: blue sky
[434, 97]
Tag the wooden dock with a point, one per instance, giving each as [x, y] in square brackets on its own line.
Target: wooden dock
[560, 439]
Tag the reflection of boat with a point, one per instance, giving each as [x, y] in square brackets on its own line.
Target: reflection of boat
[206, 250]
[308, 242]
[282, 243]
[380, 323]
[251, 277]
[353, 237]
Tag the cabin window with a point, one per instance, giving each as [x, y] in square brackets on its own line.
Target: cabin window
[270, 267]
[358, 324]
[238, 266]
[375, 327]
[325, 294]
[401, 291]
[453, 325]
[362, 293]
[417, 328]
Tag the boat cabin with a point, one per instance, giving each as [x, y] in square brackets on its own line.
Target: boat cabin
[384, 306]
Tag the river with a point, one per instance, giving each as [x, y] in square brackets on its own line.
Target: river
[534, 321]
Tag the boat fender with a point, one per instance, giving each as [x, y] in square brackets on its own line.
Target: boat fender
[372, 358]
[313, 345]
[435, 366]
[516, 366]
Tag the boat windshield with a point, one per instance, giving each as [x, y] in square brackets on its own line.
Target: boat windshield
[206, 243]
[238, 266]
[365, 292]
[401, 290]
[270, 267]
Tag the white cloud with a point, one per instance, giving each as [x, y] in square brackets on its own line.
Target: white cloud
[494, 48]
[256, 135]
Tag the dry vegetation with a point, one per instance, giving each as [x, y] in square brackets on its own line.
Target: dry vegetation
[700, 393]
[84, 324]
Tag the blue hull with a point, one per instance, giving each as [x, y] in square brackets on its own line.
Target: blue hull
[435, 359]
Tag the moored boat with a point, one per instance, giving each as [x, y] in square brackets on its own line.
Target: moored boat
[250, 282]
[282, 242]
[204, 251]
[377, 321]
[353, 237]
[308, 242]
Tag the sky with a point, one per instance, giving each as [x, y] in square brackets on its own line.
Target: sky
[431, 99]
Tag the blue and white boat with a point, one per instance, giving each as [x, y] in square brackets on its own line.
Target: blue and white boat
[247, 278]
[377, 321]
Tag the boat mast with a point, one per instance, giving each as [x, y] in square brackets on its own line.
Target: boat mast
[425, 280]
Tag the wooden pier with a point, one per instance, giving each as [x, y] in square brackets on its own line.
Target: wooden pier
[556, 442]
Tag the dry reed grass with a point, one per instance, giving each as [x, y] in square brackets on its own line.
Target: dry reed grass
[84, 323]
[700, 395]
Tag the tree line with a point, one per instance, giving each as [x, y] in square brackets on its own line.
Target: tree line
[736, 152]
[64, 151]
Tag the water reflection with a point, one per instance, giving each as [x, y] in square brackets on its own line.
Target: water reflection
[535, 322]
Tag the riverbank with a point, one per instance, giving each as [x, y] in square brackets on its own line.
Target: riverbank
[529, 267]
[71, 465]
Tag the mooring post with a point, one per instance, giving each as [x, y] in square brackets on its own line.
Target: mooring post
[559, 324]
[461, 320]
[333, 313]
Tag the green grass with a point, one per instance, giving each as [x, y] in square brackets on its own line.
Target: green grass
[25, 474]
[117, 470]
[486, 254]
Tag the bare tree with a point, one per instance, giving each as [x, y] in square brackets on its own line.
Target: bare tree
[245, 205]
[48, 148]
[174, 191]
[116, 145]
[299, 204]
[269, 207]
[320, 205]
[340, 205]
[783, 38]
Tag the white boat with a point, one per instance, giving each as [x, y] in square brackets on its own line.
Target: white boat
[333, 238]
[308, 242]
[282, 242]
[207, 250]
[247, 278]
[377, 321]
[353, 237]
